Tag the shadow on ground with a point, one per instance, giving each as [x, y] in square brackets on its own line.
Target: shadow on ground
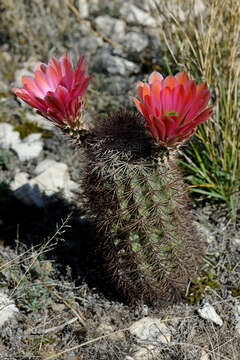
[31, 226]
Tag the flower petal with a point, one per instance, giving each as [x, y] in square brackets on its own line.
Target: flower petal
[29, 84]
[155, 76]
[141, 108]
[140, 85]
[67, 71]
[170, 81]
[166, 100]
[181, 78]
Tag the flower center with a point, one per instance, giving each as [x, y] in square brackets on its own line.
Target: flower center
[172, 113]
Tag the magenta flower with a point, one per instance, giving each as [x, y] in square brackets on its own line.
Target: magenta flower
[173, 107]
[56, 90]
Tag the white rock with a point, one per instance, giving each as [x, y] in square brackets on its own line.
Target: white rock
[50, 181]
[83, 8]
[136, 41]
[44, 165]
[145, 310]
[134, 15]
[110, 27]
[53, 179]
[19, 180]
[8, 137]
[204, 355]
[8, 309]
[208, 312]
[151, 331]
[29, 148]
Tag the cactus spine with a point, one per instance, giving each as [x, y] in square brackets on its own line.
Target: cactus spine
[138, 200]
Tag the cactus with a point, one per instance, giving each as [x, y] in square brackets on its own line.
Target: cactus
[137, 197]
[139, 202]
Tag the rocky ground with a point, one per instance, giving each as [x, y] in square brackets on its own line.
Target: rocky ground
[52, 303]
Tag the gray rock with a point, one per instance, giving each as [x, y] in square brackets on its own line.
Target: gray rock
[29, 148]
[40, 120]
[53, 179]
[118, 30]
[83, 30]
[93, 5]
[205, 232]
[208, 312]
[18, 76]
[83, 8]
[105, 329]
[110, 27]
[115, 64]
[136, 41]
[237, 317]
[236, 241]
[8, 309]
[90, 43]
[28, 68]
[118, 85]
[8, 137]
[134, 15]
[149, 352]
[177, 10]
[150, 331]
[199, 8]
[146, 4]
[3, 86]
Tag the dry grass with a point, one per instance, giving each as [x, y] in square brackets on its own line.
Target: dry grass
[208, 47]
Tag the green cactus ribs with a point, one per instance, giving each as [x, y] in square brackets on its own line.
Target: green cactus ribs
[140, 206]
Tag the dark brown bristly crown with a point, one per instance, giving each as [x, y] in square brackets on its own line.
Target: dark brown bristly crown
[138, 200]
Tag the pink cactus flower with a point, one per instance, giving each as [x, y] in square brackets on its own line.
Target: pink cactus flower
[56, 90]
[173, 107]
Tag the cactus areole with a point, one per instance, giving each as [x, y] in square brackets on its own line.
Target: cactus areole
[137, 197]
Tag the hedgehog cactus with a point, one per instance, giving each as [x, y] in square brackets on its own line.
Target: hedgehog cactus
[137, 196]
